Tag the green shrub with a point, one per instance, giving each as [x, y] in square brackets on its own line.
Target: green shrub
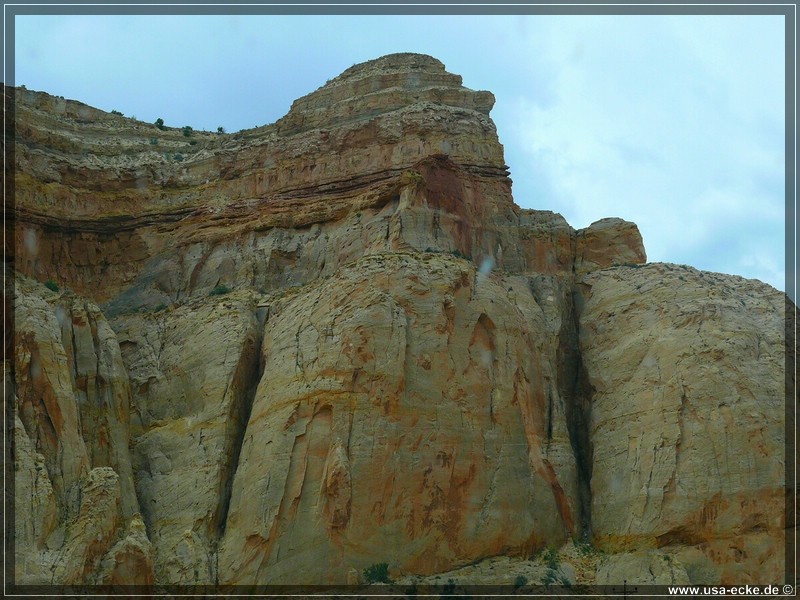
[153, 142]
[219, 291]
[584, 548]
[458, 254]
[51, 285]
[220, 130]
[160, 307]
[550, 556]
[377, 573]
[550, 577]
[178, 156]
[193, 142]
[116, 112]
[187, 131]
[520, 581]
[160, 123]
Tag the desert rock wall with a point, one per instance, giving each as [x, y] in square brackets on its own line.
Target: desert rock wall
[287, 354]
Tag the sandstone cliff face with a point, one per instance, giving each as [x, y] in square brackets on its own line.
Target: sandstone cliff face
[191, 370]
[73, 477]
[402, 399]
[335, 341]
[687, 424]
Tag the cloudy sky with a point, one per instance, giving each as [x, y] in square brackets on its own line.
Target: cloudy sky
[673, 122]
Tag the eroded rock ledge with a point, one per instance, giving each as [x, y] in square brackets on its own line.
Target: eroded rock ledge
[335, 341]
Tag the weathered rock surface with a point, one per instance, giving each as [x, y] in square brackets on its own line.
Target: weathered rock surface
[687, 430]
[191, 370]
[35, 516]
[401, 399]
[643, 568]
[73, 478]
[299, 350]
[130, 561]
[607, 243]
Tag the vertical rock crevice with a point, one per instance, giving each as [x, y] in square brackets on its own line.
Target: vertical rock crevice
[253, 369]
[575, 389]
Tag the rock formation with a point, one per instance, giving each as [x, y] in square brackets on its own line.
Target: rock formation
[284, 355]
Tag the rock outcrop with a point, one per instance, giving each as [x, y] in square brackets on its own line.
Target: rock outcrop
[74, 486]
[402, 399]
[687, 428]
[284, 355]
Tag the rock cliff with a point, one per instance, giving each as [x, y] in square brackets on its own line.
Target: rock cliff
[284, 355]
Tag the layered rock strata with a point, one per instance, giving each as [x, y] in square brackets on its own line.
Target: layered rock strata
[287, 354]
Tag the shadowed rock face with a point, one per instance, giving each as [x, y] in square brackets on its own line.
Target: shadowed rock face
[303, 349]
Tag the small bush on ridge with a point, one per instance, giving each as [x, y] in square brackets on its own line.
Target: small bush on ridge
[377, 573]
[219, 291]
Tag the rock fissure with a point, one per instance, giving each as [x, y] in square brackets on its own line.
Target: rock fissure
[577, 393]
[240, 417]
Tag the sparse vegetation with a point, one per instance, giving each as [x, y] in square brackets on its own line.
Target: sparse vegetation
[160, 307]
[51, 285]
[585, 548]
[116, 112]
[411, 177]
[458, 254]
[160, 123]
[153, 141]
[220, 290]
[550, 577]
[550, 557]
[187, 131]
[377, 573]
